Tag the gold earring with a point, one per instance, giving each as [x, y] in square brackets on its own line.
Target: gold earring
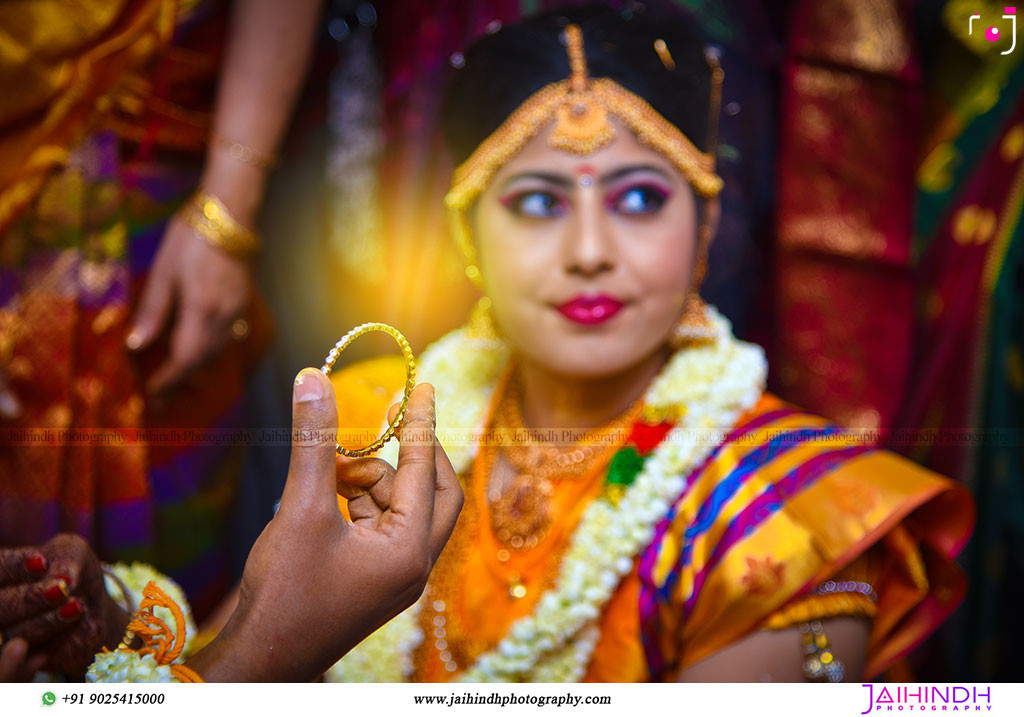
[481, 326]
[694, 327]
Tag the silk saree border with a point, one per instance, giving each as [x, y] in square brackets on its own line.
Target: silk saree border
[747, 447]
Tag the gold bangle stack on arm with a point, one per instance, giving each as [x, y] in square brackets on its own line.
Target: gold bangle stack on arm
[212, 222]
[410, 381]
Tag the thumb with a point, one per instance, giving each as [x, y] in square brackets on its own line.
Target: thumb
[311, 474]
[154, 307]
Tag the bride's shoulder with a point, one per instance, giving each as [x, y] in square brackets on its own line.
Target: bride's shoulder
[783, 476]
[779, 506]
[780, 445]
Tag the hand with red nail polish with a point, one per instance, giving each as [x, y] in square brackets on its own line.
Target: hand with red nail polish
[54, 599]
[29, 601]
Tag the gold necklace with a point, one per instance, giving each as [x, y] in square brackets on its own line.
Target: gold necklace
[521, 514]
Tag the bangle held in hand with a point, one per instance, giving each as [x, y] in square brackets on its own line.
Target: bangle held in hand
[410, 381]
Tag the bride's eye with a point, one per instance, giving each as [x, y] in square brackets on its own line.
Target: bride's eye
[638, 199]
[535, 204]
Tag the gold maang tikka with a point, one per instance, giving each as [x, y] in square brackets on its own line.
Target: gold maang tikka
[582, 108]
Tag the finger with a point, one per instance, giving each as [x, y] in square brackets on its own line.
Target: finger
[40, 628]
[412, 496]
[20, 602]
[216, 332]
[12, 658]
[10, 406]
[21, 565]
[350, 492]
[191, 335]
[154, 307]
[448, 495]
[67, 553]
[361, 476]
[448, 500]
[362, 509]
[312, 482]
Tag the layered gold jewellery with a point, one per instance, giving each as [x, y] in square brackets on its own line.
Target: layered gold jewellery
[410, 381]
[213, 223]
[521, 514]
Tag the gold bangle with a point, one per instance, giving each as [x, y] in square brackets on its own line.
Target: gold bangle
[410, 381]
[244, 153]
[211, 220]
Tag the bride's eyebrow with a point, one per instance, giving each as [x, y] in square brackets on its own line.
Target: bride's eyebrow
[631, 169]
[559, 180]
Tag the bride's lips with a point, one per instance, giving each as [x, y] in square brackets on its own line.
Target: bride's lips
[590, 310]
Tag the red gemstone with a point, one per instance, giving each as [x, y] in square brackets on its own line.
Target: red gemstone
[646, 436]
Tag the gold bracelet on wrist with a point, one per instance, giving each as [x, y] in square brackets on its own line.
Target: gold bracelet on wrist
[210, 220]
[244, 153]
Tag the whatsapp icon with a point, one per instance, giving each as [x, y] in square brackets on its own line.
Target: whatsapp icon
[49, 698]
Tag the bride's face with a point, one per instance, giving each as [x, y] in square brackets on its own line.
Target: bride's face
[587, 260]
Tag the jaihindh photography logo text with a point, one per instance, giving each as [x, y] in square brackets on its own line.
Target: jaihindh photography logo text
[923, 698]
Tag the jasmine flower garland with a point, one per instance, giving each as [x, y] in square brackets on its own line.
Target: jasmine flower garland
[128, 666]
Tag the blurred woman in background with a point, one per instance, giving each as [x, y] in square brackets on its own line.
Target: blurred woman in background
[136, 140]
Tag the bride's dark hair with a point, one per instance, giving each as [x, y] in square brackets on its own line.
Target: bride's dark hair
[502, 69]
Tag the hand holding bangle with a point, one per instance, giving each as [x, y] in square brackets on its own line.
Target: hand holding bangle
[315, 585]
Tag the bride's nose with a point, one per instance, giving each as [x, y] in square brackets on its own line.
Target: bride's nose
[588, 243]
